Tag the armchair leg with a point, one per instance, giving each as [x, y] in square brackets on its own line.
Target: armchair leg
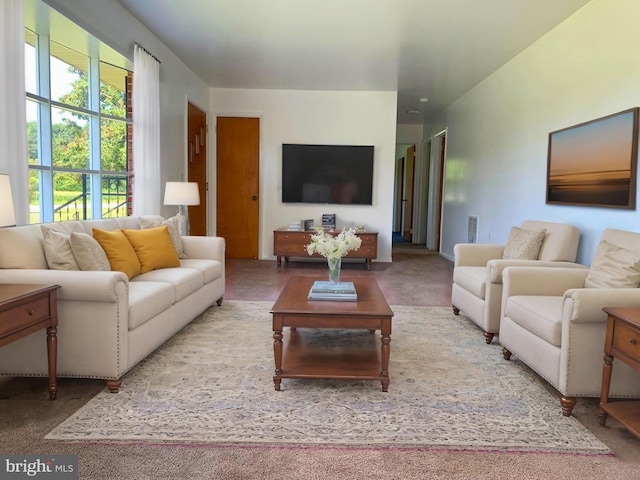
[488, 337]
[219, 301]
[506, 354]
[567, 404]
[456, 310]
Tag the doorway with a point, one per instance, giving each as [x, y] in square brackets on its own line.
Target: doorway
[197, 167]
[237, 184]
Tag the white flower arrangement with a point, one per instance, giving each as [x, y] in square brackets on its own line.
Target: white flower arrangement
[334, 246]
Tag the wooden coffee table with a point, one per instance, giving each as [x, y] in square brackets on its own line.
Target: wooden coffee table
[297, 356]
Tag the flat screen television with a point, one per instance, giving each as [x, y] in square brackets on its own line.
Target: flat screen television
[336, 174]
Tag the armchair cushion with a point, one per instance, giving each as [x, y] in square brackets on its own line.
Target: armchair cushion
[613, 267]
[523, 244]
[472, 279]
[540, 315]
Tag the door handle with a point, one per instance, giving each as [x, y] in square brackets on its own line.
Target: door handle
[254, 198]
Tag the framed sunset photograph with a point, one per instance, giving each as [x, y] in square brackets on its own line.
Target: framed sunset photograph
[594, 163]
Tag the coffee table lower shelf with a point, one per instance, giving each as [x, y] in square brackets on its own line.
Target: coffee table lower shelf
[303, 358]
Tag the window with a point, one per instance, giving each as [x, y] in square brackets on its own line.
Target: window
[78, 125]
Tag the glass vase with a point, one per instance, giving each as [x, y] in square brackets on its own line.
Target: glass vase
[334, 269]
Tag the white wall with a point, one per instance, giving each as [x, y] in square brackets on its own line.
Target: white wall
[408, 134]
[317, 117]
[111, 23]
[497, 133]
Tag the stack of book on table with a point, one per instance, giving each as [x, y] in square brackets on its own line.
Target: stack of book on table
[335, 291]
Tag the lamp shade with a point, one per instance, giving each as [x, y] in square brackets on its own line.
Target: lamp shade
[181, 193]
[7, 214]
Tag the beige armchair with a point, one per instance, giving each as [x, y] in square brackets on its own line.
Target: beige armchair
[553, 320]
[477, 272]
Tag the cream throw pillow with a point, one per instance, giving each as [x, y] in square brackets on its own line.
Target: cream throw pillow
[613, 267]
[57, 250]
[523, 244]
[174, 231]
[88, 253]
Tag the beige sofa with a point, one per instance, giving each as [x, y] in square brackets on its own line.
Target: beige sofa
[553, 320]
[477, 272]
[108, 323]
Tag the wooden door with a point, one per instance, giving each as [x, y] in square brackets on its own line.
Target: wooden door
[197, 167]
[237, 184]
[407, 216]
[397, 226]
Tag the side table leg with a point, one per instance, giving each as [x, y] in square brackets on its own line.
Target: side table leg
[385, 350]
[52, 354]
[277, 355]
[606, 382]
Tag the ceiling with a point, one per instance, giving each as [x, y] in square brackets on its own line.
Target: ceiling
[423, 49]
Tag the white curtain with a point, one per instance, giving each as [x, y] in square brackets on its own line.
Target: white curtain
[146, 133]
[13, 116]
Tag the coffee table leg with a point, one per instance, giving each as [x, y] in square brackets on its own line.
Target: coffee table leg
[277, 355]
[385, 349]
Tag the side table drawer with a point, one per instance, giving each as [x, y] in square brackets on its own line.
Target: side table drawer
[368, 239]
[24, 316]
[626, 340]
[292, 237]
[291, 249]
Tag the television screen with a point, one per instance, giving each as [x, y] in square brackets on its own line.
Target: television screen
[339, 174]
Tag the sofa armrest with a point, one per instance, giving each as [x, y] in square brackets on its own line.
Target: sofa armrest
[211, 248]
[496, 267]
[76, 285]
[541, 280]
[475, 254]
[584, 305]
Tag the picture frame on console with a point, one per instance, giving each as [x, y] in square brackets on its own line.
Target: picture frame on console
[594, 163]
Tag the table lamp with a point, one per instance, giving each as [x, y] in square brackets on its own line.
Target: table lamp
[181, 194]
[7, 214]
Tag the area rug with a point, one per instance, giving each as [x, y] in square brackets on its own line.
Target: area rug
[212, 384]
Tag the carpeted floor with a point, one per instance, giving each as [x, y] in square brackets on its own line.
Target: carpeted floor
[447, 391]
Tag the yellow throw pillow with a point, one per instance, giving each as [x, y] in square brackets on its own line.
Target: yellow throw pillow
[120, 253]
[154, 248]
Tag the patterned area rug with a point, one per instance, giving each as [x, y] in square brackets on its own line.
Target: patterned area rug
[212, 384]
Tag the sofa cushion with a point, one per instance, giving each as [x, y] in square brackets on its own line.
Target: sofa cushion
[153, 247]
[541, 315]
[211, 269]
[472, 279]
[173, 224]
[613, 267]
[185, 280]
[122, 257]
[57, 250]
[523, 244]
[88, 252]
[147, 299]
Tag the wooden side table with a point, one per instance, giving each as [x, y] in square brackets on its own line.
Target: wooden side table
[622, 342]
[25, 309]
[292, 243]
